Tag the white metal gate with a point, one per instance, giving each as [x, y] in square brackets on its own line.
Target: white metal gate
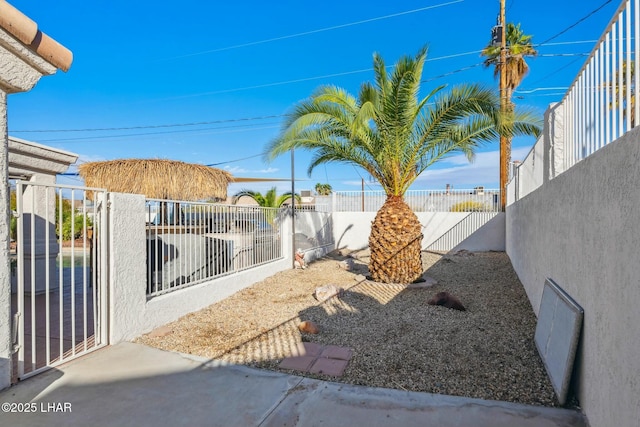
[59, 275]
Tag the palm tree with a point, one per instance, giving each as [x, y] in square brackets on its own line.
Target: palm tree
[621, 88]
[268, 200]
[518, 47]
[394, 136]
[323, 189]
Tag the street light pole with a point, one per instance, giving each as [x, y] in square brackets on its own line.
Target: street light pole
[505, 148]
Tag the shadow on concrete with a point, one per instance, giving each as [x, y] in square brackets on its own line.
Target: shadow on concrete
[133, 385]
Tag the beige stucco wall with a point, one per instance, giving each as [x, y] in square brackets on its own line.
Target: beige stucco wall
[582, 229]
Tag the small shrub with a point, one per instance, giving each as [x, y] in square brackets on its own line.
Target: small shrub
[13, 227]
[78, 227]
[469, 206]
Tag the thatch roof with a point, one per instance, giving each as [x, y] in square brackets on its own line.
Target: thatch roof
[157, 178]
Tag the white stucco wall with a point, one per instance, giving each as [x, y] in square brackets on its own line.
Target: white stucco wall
[546, 159]
[6, 344]
[131, 314]
[582, 230]
[20, 70]
[485, 231]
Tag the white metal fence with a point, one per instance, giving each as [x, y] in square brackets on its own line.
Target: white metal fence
[598, 108]
[190, 242]
[58, 275]
[476, 200]
[600, 105]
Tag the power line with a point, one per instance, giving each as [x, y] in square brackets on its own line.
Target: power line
[550, 55]
[556, 71]
[304, 79]
[565, 43]
[459, 70]
[153, 126]
[237, 119]
[85, 138]
[209, 165]
[277, 84]
[320, 30]
[237, 160]
[217, 92]
[539, 89]
[576, 23]
[546, 42]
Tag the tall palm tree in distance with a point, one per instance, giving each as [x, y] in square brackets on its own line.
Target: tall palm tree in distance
[394, 136]
[323, 189]
[518, 46]
[619, 95]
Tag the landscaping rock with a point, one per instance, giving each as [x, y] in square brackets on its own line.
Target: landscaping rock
[347, 264]
[445, 299]
[308, 327]
[424, 282]
[160, 332]
[464, 253]
[323, 293]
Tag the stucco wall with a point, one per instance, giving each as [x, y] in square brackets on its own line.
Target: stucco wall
[582, 229]
[131, 314]
[6, 345]
[482, 231]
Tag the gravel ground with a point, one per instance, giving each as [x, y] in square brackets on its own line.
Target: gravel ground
[398, 340]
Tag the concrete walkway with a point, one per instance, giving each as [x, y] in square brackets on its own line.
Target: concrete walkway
[134, 385]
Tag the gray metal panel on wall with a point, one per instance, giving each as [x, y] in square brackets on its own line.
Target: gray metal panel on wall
[557, 335]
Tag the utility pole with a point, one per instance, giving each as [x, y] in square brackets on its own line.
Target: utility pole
[505, 148]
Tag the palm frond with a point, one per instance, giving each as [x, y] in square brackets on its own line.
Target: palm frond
[391, 133]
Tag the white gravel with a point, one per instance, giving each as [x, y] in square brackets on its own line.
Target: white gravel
[398, 340]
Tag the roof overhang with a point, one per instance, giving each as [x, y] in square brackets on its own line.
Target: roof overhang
[28, 158]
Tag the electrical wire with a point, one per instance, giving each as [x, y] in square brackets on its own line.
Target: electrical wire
[237, 160]
[210, 165]
[320, 30]
[576, 23]
[555, 71]
[89, 138]
[276, 84]
[546, 42]
[172, 125]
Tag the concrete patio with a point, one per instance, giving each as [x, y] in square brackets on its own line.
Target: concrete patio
[134, 385]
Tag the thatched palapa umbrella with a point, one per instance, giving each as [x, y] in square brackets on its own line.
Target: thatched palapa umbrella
[157, 178]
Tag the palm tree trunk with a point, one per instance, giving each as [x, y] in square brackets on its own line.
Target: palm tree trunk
[395, 243]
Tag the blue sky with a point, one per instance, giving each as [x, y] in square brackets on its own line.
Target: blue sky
[237, 67]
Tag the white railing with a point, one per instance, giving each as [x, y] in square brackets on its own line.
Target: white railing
[190, 242]
[599, 106]
[476, 200]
